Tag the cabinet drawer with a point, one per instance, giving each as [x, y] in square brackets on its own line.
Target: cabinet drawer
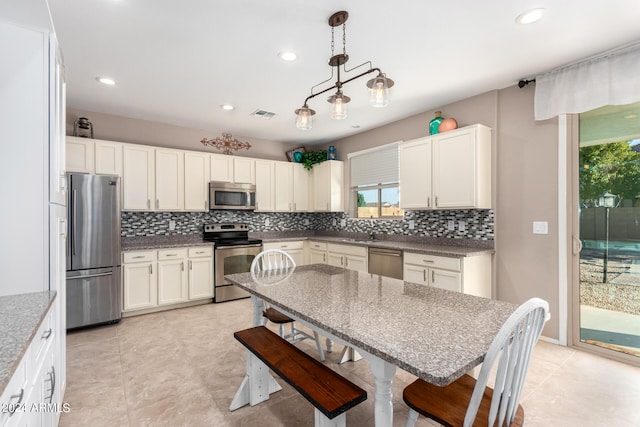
[15, 394]
[174, 253]
[433, 261]
[199, 252]
[138, 256]
[318, 246]
[348, 249]
[285, 246]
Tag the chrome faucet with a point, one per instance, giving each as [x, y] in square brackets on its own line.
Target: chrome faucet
[372, 236]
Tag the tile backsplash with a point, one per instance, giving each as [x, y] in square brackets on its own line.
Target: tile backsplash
[478, 223]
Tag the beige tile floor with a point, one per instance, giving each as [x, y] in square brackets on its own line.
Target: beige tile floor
[182, 368]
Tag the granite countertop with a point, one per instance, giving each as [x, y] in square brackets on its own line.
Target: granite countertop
[424, 245]
[20, 318]
[435, 334]
[159, 242]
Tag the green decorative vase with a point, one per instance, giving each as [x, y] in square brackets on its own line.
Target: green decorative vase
[435, 123]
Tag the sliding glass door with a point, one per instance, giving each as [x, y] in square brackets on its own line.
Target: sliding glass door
[609, 228]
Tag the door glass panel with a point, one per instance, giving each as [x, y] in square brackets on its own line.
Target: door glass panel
[609, 215]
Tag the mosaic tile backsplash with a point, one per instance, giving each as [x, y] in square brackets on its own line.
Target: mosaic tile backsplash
[478, 223]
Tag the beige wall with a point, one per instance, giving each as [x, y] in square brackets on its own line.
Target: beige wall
[124, 129]
[525, 182]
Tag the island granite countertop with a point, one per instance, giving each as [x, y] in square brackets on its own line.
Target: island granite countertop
[20, 318]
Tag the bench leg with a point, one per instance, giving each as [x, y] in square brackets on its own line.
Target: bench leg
[383, 373]
[322, 421]
[329, 345]
[256, 386]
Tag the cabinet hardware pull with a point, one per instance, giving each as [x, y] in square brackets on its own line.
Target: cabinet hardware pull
[15, 406]
[424, 275]
[284, 246]
[433, 276]
[47, 334]
[346, 262]
[190, 265]
[428, 202]
[157, 204]
[324, 258]
[436, 204]
[148, 204]
[428, 261]
[150, 268]
[52, 380]
[171, 255]
[138, 256]
[182, 266]
[341, 260]
[199, 252]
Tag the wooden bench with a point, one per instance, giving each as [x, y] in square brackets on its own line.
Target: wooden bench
[330, 393]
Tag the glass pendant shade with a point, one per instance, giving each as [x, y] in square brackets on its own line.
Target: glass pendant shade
[378, 92]
[304, 120]
[339, 106]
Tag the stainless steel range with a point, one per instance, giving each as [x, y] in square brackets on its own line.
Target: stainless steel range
[233, 253]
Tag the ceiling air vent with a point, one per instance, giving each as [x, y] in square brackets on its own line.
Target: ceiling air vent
[263, 114]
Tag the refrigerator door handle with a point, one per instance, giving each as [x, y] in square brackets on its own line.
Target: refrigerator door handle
[75, 221]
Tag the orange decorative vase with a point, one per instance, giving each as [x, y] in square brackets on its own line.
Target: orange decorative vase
[447, 124]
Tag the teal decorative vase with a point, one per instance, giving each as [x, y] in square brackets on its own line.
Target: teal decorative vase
[435, 123]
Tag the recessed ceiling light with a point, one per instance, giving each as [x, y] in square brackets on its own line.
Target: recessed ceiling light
[287, 55]
[227, 107]
[530, 16]
[355, 126]
[630, 116]
[106, 81]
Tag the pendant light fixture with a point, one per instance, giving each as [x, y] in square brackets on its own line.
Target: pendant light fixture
[378, 86]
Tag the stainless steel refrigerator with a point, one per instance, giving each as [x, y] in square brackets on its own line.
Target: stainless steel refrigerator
[93, 250]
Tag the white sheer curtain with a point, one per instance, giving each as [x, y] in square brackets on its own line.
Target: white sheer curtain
[612, 78]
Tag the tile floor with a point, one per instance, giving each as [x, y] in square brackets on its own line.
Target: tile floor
[182, 368]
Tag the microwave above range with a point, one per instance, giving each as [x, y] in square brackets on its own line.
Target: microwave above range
[225, 195]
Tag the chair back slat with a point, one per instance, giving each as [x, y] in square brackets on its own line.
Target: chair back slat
[511, 349]
[274, 260]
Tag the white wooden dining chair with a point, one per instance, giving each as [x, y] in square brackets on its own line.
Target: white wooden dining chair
[278, 262]
[469, 402]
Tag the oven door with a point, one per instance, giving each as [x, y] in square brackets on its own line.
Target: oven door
[230, 260]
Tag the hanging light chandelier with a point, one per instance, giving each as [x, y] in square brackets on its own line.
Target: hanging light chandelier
[378, 86]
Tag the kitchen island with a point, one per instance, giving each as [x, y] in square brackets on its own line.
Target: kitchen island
[435, 334]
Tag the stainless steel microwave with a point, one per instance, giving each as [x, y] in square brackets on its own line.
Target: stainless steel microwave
[225, 195]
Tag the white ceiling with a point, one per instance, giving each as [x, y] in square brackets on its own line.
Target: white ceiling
[178, 61]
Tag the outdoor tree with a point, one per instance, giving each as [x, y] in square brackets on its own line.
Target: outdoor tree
[613, 168]
[361, 201]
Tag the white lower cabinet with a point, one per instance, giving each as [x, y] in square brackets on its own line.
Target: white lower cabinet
[295, 249]
[200, 273]
[33, 396]
[317, 252]
[347, 256]
[470, 275]
[157, 279]
[172, 276]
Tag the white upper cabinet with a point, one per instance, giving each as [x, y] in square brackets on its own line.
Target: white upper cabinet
[264, 185]
[301, 184]
[283, 179]
[57, 120]
[138, 178]
[415, 174]
[244, 170]
[80, 155]
[169, 180]
[196, 181]
[327, 186]
[221, 167]
[108, 157]
[451, 170]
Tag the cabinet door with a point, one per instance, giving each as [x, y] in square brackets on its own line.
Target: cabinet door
[169, 180]
[443, 279]
[80, 155]
[196, 181]
[139, 285]
[455, 170]
[172, 282]
[200, 278]
[317, 257]
[415, 174]
[138, 177]
[335, 259]
[108, 158]
[264, 185]
[415, 274]
[221, 168]
[356, 263]
[321, 187]
[301, 178]
[283, 186]
[244, 170]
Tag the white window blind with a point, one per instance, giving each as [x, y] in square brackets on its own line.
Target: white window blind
[375, 166]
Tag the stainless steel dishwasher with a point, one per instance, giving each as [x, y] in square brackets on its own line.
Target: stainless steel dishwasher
[386, 262]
